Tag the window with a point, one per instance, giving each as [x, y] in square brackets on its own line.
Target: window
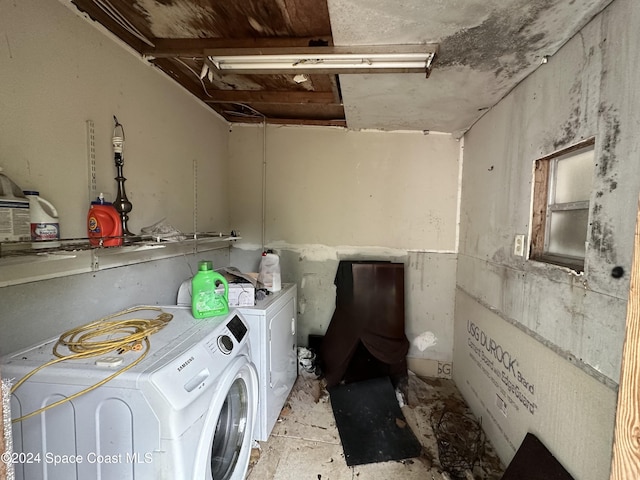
[562, 187]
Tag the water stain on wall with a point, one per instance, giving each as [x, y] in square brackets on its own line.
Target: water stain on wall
[416, 263]
[500, 256]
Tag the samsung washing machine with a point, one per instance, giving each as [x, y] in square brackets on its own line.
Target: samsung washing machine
[272, 329]
[185, 412]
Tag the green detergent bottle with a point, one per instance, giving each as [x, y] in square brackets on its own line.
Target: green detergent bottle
[206, 297]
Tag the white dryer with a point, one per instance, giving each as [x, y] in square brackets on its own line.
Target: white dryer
[185, 412]
[272, 326]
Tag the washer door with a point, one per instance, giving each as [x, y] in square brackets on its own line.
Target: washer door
[225, 445]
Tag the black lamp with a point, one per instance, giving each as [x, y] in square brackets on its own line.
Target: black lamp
[122, 203]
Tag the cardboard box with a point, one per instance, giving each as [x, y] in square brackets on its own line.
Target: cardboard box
[242, 295]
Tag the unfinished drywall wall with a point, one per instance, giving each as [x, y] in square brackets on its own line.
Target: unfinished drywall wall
[56, 72]
[33, 312]
[576, 321]
[518, 386]
[333, 194]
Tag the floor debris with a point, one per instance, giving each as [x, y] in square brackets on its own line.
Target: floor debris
[305, 438]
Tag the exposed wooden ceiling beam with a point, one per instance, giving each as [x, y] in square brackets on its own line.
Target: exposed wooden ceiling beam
[292, 121]
[305, 121]
[102, 17]
[250, 96]
[194, 47]
[181, 59]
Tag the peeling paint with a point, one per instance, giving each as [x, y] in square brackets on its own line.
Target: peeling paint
[322, 253]
[572, 273]
[425, 340]
[247, 246]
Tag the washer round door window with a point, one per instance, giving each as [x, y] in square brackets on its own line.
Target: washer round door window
[224, 448]
[231, 431]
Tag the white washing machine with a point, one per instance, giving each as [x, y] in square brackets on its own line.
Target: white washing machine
[272, 326]
[185, 412]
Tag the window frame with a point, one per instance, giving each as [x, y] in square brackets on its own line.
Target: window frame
[544, 184]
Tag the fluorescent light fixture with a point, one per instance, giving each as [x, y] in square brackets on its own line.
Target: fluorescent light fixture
[320, 60]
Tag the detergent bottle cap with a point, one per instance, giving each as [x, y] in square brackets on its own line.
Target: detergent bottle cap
[100, 200]
[205, 265]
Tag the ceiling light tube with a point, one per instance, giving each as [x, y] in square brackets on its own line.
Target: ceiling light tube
[374, 59]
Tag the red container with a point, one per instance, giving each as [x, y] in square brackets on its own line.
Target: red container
[104, 225]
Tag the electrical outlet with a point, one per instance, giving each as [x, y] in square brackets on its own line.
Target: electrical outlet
[518, 246]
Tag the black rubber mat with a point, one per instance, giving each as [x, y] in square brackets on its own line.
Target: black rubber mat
[370, 423]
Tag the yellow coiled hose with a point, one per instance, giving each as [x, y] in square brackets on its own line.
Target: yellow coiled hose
[99, 338]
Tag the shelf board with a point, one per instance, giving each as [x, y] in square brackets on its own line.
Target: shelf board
[21, 264]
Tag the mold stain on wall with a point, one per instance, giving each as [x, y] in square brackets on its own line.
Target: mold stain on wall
[607, 160]
[602, 233]
[570, 129]
[500, 43]
[603, 240]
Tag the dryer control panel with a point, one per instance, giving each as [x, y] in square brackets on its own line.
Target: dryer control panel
[224, 342]
[237, 327]
[201, 362]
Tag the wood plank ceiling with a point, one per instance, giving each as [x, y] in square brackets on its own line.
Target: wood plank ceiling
[484, 50]
[173, 34]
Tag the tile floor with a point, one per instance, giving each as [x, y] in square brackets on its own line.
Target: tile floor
[305, 443]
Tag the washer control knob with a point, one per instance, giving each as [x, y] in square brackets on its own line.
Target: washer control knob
[225, 344]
